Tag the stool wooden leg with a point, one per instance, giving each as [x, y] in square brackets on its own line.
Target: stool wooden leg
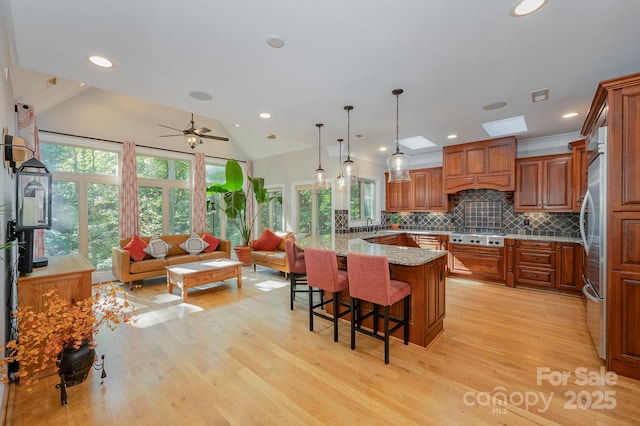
[386, 334]
[310, 308]
[335, 317]
[353, 323]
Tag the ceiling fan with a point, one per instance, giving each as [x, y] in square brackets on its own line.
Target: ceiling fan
[193, 135]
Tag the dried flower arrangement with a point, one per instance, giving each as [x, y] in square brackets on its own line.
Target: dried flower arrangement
[62, 324]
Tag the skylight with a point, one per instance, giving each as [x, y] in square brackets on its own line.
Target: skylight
[506, 126]
[416, 142]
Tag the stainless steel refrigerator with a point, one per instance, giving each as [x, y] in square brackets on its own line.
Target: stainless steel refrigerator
[593, 230]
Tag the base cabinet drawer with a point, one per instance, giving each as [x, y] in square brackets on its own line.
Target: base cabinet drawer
[479, 266]
[535, 276]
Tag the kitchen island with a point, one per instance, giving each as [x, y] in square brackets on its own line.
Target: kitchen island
[424, 270]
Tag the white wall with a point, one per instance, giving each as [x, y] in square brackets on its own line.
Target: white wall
[107, 115]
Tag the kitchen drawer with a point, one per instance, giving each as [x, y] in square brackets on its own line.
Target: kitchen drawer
[536, 245]
[479, 250]
[465, 263]
[544, 259]
[535, 276]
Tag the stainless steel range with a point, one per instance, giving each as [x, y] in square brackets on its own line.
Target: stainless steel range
[478, 239]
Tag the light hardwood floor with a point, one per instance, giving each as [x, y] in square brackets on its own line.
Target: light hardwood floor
[240, 356]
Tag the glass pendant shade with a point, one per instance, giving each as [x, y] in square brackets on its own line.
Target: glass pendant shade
[319, 175]
[340, 180]
[398, 163]
[349, 167]
[192, 140]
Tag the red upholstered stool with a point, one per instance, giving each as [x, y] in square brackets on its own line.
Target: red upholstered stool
[297, 267]
[323, 274]
[370, 281]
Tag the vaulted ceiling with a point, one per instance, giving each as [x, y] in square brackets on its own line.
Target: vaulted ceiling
[451, 57]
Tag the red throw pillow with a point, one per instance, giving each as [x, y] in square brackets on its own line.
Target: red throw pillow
[136, 247]
[268, 241]
[212, 241]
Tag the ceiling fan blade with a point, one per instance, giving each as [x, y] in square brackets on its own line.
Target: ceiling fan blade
[218, 138]
[167, 136]
[201, 130]
[172, 128]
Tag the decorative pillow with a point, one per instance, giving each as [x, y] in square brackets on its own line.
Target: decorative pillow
[194, 244]
[268, 241]
[157, 248]
[136, 247]
[212, 242]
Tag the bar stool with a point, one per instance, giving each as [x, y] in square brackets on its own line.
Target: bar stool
[370, 281]
[323, 274]
[297, 268]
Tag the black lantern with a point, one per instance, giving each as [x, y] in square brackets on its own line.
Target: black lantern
[33, 197]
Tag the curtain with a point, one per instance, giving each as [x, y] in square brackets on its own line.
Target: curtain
[249, 191]
[28, 130]
[129, 223]
[198, 195]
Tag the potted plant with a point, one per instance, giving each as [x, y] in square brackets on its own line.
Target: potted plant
[235, 203]
[394, 219]
[63, 329]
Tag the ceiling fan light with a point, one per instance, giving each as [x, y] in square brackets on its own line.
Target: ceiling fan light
[192, 140]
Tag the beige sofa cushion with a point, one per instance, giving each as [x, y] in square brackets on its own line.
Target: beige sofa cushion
[147, 265]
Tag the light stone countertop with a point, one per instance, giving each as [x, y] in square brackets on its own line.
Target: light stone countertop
[353, 243]
[383, 232]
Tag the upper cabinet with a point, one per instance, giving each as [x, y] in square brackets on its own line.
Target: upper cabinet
[544, 183]
[579, 149]
[422, 194]
[488, 164]
[426, 191]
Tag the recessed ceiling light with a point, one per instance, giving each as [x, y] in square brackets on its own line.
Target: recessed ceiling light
[382, 148]
[495, 105]
[237, 125]
[526, 7]
[264, 115]
[570, 115]
[275, 41]
[452, 136]
[507, 126]
[416, 142]
[200, 96]
[100, 61]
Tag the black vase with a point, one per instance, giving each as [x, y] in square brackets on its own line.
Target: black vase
[73, 367]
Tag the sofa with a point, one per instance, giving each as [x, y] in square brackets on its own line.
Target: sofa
[128, 270]
[274, 259]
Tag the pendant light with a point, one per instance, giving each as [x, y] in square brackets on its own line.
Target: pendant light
[319, 176]
[398, 163]
[349, 167]
[340, 180]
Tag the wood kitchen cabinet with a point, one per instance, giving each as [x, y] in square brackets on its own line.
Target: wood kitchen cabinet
[580, 181]
[548, 264]
[430, 242]
[423, 193]
[397, 195]
[544, 183]
[426, 191]
[616, 106]
[486, 164]
[477, 261]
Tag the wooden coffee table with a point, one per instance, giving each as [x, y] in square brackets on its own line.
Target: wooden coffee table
[187, 275]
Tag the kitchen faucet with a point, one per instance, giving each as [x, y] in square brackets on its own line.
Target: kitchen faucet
[369, 220]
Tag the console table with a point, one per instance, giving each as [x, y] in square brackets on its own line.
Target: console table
[69, 274]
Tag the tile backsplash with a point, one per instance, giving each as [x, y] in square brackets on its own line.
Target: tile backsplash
[482, 210]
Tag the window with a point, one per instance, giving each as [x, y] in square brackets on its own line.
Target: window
[314, 209]
[165, 196]
[85, 203]
[271, 215]
[363, 196]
